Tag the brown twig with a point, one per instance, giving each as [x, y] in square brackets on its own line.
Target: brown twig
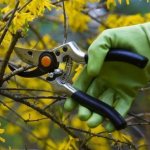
[65, 22]
[138, 116]
[38, 109]
[35, 120]
[41, 97]
[57, 2]
[26, 130]
[15, 72]
[25, 89]
[100, 135]
[61, 125]
[46, 107]
[12, 110]
[7, 56]
[5, 17]
[95, 19]
[9, 22]
[139, 123]
[35, 31]
[51, 18]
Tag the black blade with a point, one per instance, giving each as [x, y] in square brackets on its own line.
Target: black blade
[28, 74]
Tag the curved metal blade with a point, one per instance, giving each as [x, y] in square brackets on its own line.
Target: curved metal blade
[29, 56]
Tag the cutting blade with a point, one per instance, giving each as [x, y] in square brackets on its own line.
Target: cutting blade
[29, 56]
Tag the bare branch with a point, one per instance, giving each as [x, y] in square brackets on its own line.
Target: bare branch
[12, 110]
[57, 2]
[51, 18]
[139, 123]
[5, 17]
[138, 116]
[65, 22]
[48, 106]
[100, 135]
[24, 89]
[7, 56]
[24, 68]
[41, 97]
[35, 120]
[36, 32]
[9, 22]
[95, 19]
[25, 130]
[38, 109]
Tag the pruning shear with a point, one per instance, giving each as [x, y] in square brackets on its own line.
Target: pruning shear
[48, 62]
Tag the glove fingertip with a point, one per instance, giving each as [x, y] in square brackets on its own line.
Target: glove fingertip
[69, 104]
[84, 113]
[94, 121]
[110, 127]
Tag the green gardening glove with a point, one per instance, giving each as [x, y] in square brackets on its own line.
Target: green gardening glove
[115, 83]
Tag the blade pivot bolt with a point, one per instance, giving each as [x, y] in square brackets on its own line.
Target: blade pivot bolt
[46, 61]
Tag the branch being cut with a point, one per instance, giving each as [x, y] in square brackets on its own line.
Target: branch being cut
[15, 72]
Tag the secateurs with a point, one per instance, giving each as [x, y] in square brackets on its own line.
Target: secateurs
[48, 62]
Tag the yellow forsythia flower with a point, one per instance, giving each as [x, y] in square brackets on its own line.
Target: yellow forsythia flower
[117, 135]
[78, 71]
[115, 20]
[113, 2]
[37, 8]
[77, 20]
[20, 20]
[68, 144]
[1, 132]
[142, 144]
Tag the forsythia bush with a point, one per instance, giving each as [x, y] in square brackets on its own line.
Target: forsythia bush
[28, 123]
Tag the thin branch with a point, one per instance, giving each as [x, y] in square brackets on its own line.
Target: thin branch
[61, 125]
[12, 110]
[100, 135]
[97, 20]
[10, 62]
[65, 22]
[51, 18]
[57, 2]
[15, 72]
[25, 130]
[35, 31]
[138, 116]
[38, 109]
[25, 89]
[5, 17]
[46, 107]
[35, 120]
[41, 97]
[7, 56]
[9, 22]
[140, 123]
[27, 3]
[144, 89]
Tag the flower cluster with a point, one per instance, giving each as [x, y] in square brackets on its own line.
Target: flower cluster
[26, 12]
[115, 20]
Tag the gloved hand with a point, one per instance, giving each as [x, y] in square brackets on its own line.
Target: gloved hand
[115, 83]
